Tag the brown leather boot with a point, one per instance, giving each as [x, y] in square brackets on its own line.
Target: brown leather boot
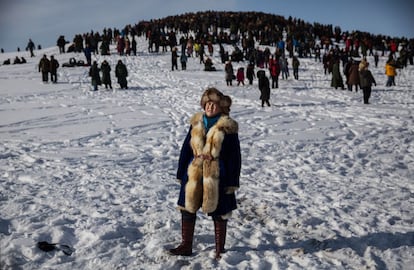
[187, 234]
[220, 230]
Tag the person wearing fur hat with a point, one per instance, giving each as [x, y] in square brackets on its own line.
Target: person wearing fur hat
[208, 170]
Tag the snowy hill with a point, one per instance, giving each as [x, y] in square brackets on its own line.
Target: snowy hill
[326, 183]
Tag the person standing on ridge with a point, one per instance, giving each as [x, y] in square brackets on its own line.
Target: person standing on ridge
[30, 47]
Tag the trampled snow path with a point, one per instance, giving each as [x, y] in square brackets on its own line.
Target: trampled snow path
[327, 182]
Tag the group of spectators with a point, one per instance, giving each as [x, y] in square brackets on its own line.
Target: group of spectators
[48, 66]
[121, 73]
[196, 33]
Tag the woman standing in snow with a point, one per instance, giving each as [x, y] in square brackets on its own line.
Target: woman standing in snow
[209, 170]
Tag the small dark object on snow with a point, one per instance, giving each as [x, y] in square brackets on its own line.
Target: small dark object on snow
[45, 246]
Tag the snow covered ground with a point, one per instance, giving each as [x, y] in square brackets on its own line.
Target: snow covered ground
[327, 182]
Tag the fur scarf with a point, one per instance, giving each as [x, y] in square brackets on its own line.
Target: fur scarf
[202, 188]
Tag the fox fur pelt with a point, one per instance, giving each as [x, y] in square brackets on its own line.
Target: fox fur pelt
[202, 188]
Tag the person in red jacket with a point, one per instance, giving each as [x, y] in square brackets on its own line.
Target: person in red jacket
[274, 69]
[240, 76]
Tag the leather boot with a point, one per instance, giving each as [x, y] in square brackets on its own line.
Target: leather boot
[187, 234]
[220, 230]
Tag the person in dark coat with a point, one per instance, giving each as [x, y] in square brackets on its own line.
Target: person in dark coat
[95, 76]
[44, 67]
[106, 74]
[61, 42]
[264, 87]
[88, 54]
[366, 80]
[228, 68]
[54, 64]
[174, 57]
[353, 76]
[295, 66]
[209, 170]
[121, 73]
[250, 73]
[336, 80]
[30, 47]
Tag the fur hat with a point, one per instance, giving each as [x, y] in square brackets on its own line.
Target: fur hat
[363, 65]
[212, 94]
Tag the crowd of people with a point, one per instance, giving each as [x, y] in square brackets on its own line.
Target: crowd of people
[197, 33]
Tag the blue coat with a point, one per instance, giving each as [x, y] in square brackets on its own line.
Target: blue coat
[229, 164]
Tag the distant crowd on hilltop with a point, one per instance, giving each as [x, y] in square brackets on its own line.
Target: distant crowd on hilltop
[195, 34]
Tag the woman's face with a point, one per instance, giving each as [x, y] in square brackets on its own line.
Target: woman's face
[212, 109]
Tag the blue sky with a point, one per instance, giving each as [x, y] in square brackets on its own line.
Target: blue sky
[45, 20]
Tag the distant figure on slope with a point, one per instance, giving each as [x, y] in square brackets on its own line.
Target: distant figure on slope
[228, 68]
[295, 66]
[284, 67]
[240, 76]
[61, 42]
[274, 69]
[183, 60]
[121, 73]
[106, 74]
[30, 47]
[337, 80]
[88, 54]
[353, 75]
[391, 71]
[54, 64]
[174, 57]
[366, 80]
[95, 76]
[44, 67]
[208, 65]
[209, 170]
[250, 73]
[264, 87]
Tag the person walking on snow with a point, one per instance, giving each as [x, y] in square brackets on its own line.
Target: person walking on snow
[209, 170]
[44, 67]
[121, 73]
[54, 64]
[366, 80]
[264, 87]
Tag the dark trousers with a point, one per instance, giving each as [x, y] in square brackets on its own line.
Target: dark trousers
[275, 81]
[53, 77]
[45, 76]
[367, 94]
